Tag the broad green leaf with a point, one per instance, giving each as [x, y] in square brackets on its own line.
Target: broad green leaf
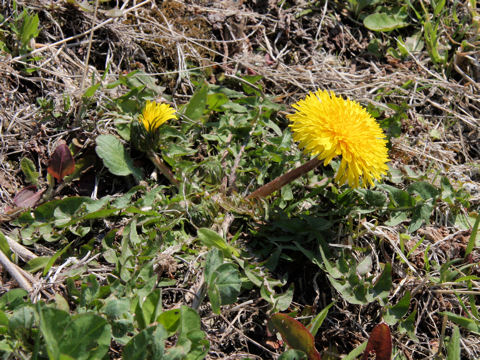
[397, 218]
[396, 312]
[67, 208]
[421, 213]
[283, 301]
[170, 320]
[29, 170]
[211, 239]
[213, 260]
[191, 340]
[53, 322]
[21, 321]
[399, 198]
[197, 103]
[83, 336]
[453, 346]
[115, 157]
[223, 286]
[295, 335]
[424, 189]
[148, 344]
[351, 289]
[29, 28]
[13, 299]
[116, 308]
[365, 266]
[149, 309]
[375, 198]
[384, 22]
[216, 100]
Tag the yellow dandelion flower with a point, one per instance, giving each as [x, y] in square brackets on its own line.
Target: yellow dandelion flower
[155, 114]
[326, 125]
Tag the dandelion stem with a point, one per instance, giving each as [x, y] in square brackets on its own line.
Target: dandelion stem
[284, 179]
[160, 165]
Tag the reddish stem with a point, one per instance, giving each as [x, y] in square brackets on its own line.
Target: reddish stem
[284, 179]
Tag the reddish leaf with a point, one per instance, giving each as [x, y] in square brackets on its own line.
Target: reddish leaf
[380, 343]
[27, 197]
[61, 162]
[295, 335]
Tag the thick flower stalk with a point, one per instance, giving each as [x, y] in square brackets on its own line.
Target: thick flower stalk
[327, 126]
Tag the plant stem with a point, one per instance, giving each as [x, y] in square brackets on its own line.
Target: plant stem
[160, 165]
[284, 179]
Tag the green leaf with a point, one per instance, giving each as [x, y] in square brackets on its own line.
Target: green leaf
[29, 28]
[355, 353]
[54, 258]
[147, 344]
[397, 312]
[211, 239]
[282, 302]
[438, 7]
[92, 90]
[191, 344]
[170, 320]
[318, 320]
[4, 246]
[408, 325]
[37, 263]
[382, 287]
[421, 213]
[473, 237]
[197, 103]
[424, 189]
[295, 335]
[116, 308]
[223, 280]
[453, 347]
[29, 170]
[216, 100]
[13, 299]
[469, 324]
[384, 22]
[149, 309]
[83, 336]
[293, 354]
[115, 157]
[399, 198]
[213, 260]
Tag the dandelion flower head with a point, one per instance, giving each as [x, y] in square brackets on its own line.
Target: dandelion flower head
[326, 125]
[155, 114]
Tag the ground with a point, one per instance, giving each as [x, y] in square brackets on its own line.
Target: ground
[404, 252]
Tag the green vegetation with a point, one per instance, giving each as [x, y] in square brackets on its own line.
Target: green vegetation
[164, 251]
